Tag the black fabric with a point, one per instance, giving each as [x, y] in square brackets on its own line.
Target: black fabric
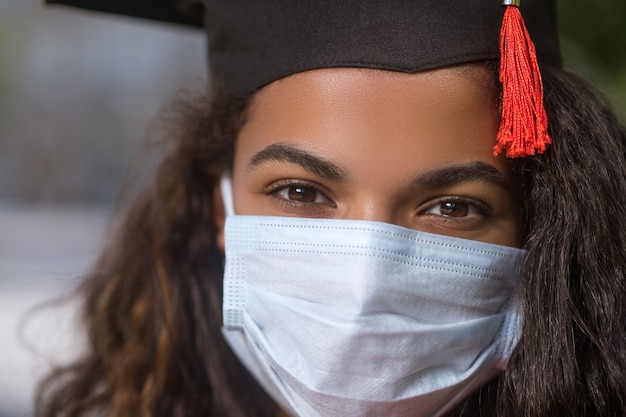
[254, 42]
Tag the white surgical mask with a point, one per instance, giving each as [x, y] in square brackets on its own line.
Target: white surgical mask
[358, 318]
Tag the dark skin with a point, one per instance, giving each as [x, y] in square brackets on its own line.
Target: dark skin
[415, 150]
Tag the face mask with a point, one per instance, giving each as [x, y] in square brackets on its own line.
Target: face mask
[358, 318]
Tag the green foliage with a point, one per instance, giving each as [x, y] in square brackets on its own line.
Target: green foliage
[593, 41]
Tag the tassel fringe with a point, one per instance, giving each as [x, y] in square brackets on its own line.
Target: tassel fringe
[524, 123]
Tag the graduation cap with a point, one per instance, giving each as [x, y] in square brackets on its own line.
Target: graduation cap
[254, 42]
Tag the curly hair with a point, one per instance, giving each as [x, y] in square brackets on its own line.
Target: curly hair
[152, 304]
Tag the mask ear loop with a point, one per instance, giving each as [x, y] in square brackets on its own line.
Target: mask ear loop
[226, 187]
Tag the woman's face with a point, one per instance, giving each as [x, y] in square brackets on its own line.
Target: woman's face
[415, 150]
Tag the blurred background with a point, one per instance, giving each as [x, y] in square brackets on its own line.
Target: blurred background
[79, 93]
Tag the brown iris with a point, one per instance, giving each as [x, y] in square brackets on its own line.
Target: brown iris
[302, 194]
[454, 209]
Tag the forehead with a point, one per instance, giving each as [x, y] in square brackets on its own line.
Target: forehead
[364, 117]
[360, 81]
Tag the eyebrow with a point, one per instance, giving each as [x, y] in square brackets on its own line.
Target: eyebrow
[280, 152]
[432, 179]
[471, 171]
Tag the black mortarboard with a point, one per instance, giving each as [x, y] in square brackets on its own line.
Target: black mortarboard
[254, 42]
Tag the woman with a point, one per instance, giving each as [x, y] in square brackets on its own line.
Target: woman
[379, 256]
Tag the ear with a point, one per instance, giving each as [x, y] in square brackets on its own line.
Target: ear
[219, 216]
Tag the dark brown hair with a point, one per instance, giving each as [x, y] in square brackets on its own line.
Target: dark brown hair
[571, 360]
[153, 302]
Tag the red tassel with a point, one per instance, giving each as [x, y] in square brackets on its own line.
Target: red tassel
[524, 123]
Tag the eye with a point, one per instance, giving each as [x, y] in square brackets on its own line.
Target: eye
[299, 193]
[456, 208]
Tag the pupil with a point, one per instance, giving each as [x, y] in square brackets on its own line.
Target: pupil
[302, 194]
[452, 209]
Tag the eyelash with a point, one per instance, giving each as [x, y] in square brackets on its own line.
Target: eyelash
[275, 188]
[482, 210]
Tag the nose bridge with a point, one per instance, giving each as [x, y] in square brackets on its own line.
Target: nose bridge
[372, 207]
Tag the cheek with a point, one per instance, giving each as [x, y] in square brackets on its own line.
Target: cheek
[507, 230]
[512, 224]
